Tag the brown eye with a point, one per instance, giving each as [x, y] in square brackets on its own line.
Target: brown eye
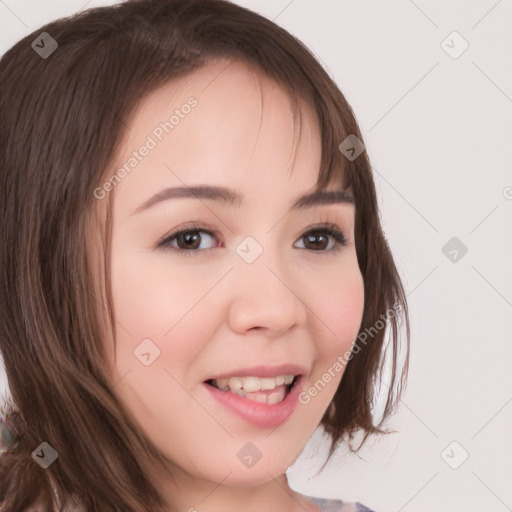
[188, 241]
[316, 241]
[324, 239]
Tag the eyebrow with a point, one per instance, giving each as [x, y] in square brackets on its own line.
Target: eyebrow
[228, 196]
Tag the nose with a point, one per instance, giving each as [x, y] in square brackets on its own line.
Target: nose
[265, 297]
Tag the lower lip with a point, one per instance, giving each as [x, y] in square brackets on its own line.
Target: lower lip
[259, 414]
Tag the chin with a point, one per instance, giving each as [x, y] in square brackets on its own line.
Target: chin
[252, 477]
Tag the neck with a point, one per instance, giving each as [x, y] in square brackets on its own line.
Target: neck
[187, 493]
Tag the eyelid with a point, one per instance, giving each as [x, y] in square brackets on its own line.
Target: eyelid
[330, 228]
[189, 226]
[323, 226]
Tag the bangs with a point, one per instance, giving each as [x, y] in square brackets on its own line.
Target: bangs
[332, 168]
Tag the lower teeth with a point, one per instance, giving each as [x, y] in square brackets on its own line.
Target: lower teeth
[277, 396]
[272, 398]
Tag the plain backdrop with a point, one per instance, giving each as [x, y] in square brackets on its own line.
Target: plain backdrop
[431, 85]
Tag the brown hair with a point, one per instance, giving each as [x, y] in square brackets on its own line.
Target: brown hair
[64, 117]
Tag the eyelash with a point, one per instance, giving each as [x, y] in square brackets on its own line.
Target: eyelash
[326, 228]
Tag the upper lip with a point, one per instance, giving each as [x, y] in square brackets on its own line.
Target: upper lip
[263, 371]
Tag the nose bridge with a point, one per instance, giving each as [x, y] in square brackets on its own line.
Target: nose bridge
[265, 294]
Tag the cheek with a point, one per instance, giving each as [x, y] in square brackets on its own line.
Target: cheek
[163, 304]
[152, 298]
[339, 306]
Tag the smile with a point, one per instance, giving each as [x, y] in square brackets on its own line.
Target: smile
[264, 400]
[270, 390]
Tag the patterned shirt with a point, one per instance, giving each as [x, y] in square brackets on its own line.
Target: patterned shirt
[338, 505]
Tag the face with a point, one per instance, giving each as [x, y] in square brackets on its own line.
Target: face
[221, 291]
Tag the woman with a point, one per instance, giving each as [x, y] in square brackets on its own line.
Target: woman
[192, 263]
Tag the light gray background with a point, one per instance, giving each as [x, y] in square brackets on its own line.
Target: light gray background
[438, 131]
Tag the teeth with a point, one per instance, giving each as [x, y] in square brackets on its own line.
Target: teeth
[272, 398]
[260, 398]
[234, 383]
[288, 379]
[253, 384]
[250, 384]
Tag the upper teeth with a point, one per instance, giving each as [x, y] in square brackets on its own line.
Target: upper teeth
[252, 384]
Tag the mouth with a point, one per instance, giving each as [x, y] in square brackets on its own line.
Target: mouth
[263, 396]
[269, 390]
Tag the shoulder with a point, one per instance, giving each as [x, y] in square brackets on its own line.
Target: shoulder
[327, 505]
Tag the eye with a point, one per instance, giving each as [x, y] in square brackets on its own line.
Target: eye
[188, 241]
[326, 238]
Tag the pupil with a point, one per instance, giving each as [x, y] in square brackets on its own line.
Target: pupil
[314, 240]
[191, 239]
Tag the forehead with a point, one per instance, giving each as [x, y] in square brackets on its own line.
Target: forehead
[243, 131]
